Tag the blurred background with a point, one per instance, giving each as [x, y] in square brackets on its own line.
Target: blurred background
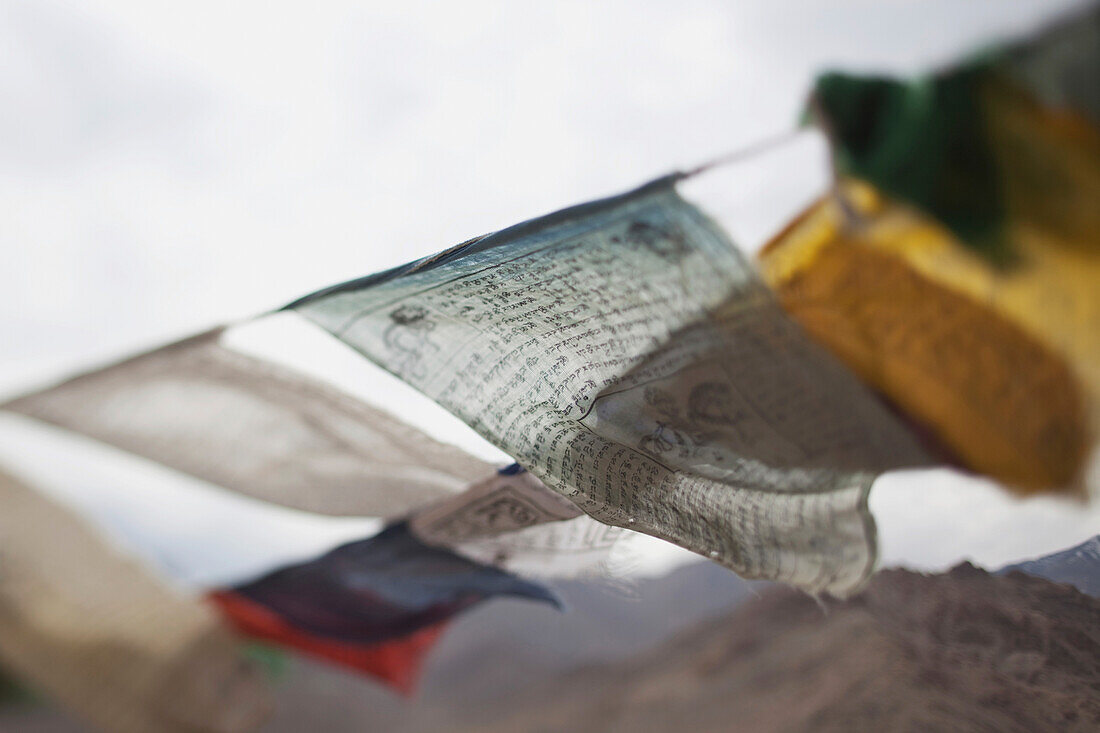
[168, 167]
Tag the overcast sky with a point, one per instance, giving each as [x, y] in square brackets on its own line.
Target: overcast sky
[168, 166]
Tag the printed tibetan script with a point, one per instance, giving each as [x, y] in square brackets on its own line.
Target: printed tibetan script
[630, 358]
[512, 521]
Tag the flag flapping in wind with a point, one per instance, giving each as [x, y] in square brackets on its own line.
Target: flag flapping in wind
[397, 663]
[997, 391]
[940, 305]
[956, 268]
[629, 357]
[993, 141]
[376, 605]
[513, 521]
[255, 427]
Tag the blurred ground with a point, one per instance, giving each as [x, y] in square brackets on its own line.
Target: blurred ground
[962, 651]
[489, 655]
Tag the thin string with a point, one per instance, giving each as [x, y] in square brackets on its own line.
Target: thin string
[747, 153]
[852, 218]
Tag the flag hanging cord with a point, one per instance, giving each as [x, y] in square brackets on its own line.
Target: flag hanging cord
[748, 152]
[820, 122]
